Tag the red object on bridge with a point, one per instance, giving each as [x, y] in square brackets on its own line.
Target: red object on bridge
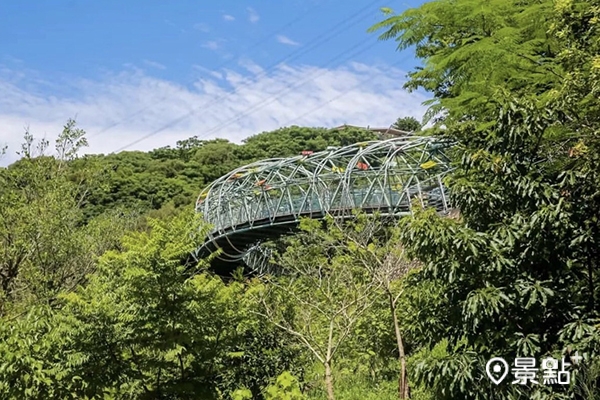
[307, 152]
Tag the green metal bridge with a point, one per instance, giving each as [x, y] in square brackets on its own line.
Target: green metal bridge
[266, 199]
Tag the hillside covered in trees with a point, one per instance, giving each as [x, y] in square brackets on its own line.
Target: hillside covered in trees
[95, 302]
[174, 176]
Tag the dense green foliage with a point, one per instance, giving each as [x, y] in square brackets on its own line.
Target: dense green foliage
[97, 301]
[408, 124]
[472, 49]
[144, 326]
[149, 181]
[519, 272]
[45, 248]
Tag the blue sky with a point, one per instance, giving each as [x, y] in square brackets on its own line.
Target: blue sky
[154, 72]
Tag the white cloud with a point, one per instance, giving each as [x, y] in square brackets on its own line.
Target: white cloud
[202, 27]
[212, 44]
[233, 106]
[228, 17]
[205, 71]
[251, 66]
[154, 64]
[286, 40]
[252, 15]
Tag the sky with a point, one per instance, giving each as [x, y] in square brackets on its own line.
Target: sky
[142, 74]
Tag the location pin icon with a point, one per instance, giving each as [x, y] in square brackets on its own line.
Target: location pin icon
[499, 364]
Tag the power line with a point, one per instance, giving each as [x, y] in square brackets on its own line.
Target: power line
[261, 105]
[223, 64]
[211, 103]
[251, 109]
[320, 106]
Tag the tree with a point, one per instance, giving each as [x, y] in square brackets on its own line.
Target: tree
[44, 247]
[322, 297]
[462, 42]
[290, 141]
[408, 124]
[160, 328]
[372, 242]
[518, 270]
[146, 325]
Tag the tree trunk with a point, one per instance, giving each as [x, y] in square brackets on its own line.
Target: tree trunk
[329, 381]
[403, 389]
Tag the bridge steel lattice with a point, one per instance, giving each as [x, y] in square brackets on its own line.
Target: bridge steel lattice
[263, 199]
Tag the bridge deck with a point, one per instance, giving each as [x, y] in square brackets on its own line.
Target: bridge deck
[266, 199]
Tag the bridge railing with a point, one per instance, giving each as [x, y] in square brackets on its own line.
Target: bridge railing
[383, 175]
